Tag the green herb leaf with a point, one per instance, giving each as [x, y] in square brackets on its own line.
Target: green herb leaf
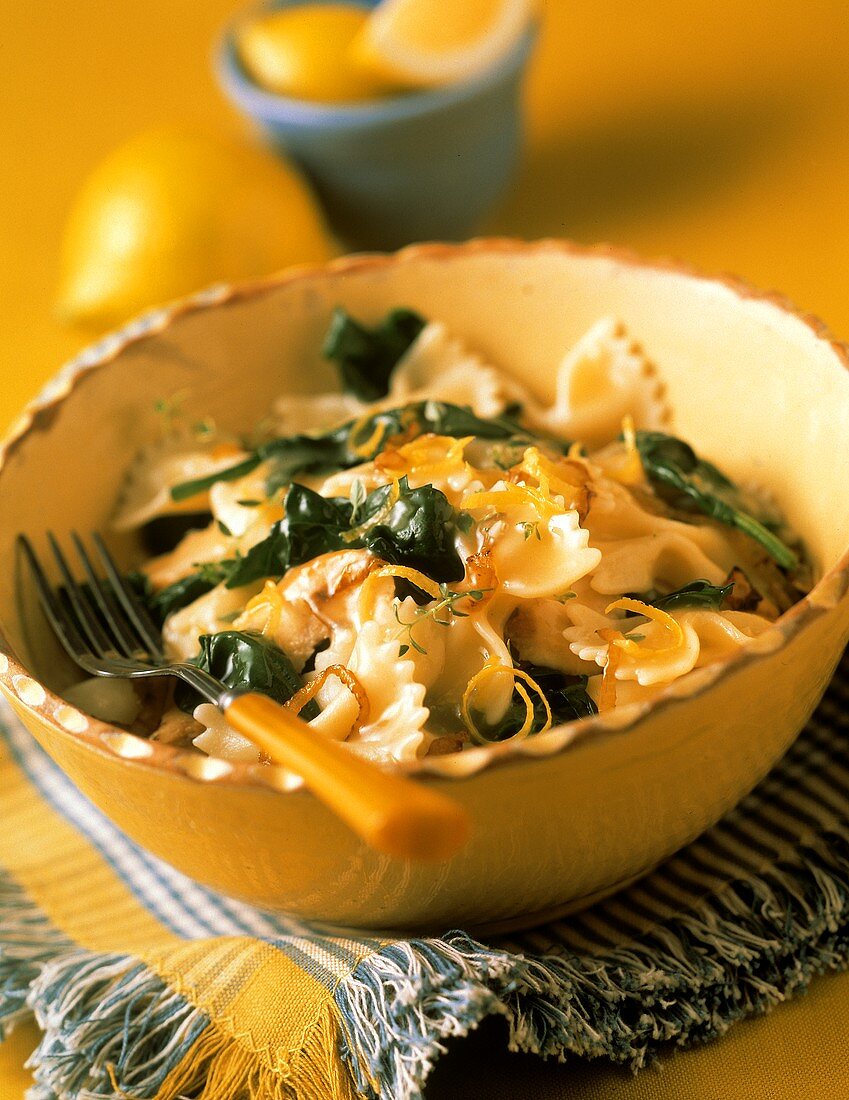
[693, 484]
[186, 590]
[358, 498]
[419, 532]
[695, 594]
[247, 661]
[365, 356]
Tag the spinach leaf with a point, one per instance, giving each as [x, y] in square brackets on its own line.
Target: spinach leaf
[312, 525]
[188, 489]
[366, 357]
[443, 418]
[245, 660]
[695, 594]
[695, 485]
[419, 532]
[354, 442]
[186, 590]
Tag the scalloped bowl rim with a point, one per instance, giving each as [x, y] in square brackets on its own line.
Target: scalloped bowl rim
[18, 681]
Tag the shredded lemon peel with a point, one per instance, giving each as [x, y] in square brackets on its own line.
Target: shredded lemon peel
[367, 597]
[499, 499]
[309, 691]
[494, 668]
[367, 447]
[607, 693]
[627, 469]
[662, 618]
[268, 599]
[421, 458]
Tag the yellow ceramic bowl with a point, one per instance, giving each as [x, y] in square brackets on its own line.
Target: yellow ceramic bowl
[562, 817]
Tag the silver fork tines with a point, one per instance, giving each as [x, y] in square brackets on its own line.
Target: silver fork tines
[101, 622]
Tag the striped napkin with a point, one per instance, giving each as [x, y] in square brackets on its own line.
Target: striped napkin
[147, 985]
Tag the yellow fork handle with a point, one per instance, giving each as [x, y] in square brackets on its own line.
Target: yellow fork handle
[389, 812]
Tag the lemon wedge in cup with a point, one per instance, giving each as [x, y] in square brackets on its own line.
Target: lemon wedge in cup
[303, 52]
[172, 211]
[427, 43]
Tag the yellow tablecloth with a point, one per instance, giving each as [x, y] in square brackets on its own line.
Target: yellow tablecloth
[713, 131]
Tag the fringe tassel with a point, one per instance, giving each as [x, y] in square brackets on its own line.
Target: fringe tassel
[114, 1029]
[27, 942]
[111, 1027]
[220, 1068]
[750, 946]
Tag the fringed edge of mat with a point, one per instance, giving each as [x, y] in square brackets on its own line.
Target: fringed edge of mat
[113, 1028]
[27, 942]
[749, 946]
[754, 943]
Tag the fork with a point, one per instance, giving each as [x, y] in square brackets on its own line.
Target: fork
[107, 631]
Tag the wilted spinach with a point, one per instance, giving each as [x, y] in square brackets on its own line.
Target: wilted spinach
[312, 525]
[693, 484]
[354, 442]
[247, 661]
[695, 594]
[419, 532]
[366, 357]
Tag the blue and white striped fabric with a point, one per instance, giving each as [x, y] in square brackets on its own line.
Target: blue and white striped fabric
[149, 997]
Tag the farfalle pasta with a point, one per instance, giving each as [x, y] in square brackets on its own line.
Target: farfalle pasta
[432, 558]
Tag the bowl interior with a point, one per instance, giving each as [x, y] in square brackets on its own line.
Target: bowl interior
[750, 384]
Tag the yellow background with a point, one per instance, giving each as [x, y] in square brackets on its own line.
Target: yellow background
[716, 132]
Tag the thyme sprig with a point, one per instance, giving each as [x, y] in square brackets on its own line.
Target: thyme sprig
[443, 611]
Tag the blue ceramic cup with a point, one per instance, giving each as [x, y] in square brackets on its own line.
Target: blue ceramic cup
[421, 166]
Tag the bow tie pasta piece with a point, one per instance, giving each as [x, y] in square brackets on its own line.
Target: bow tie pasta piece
[440, 367]
[603, 378]
[394, 729]
[146, 493]
[537, 556]
[641, 550]
[220, 739]
[658, 655]
[240, 504]
[537, 633]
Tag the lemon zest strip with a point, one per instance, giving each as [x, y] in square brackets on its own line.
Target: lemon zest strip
[493, 668]
[366, 448]
[412, 458]
[607, 695]
[635, 649]
[513, 494]
[309, 691]
[540, 466]
[366, 601]
[628, 469]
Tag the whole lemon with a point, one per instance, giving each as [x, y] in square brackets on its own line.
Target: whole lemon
[172, 211]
